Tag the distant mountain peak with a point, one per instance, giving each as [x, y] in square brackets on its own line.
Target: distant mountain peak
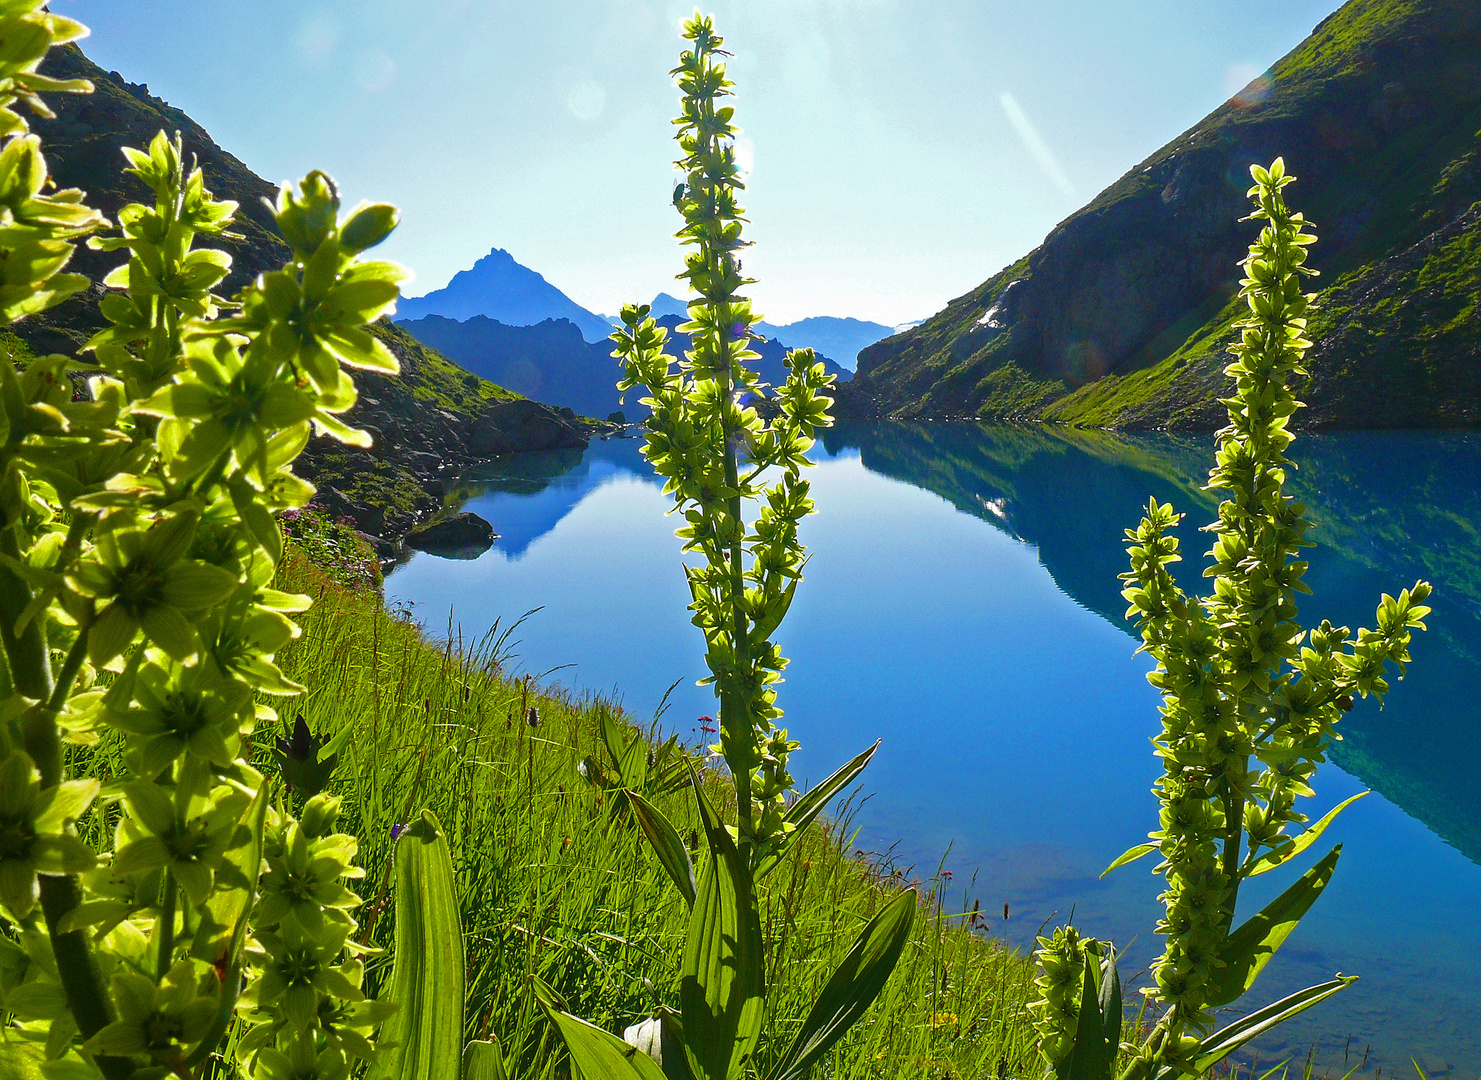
[502, 288]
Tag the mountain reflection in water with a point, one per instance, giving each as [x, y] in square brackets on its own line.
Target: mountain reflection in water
[996, 664]
[1390, 507]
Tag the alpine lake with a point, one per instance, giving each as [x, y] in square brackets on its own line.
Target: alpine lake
[961, 603]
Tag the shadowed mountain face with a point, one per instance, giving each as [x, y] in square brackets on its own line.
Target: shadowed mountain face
[830, 337]
[1391, 507]
[551, 362]
[1122, 316]
[499, 288]
[838, 339]
[424, 420]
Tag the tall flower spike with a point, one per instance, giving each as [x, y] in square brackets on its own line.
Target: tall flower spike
[1249, 699]
[711, 445]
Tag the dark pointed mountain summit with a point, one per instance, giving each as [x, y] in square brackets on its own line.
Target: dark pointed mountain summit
[1122, 316]
[500, 288]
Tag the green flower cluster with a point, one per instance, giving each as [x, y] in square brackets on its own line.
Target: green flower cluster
[1056, 1011]
[308, 1013]
[139, 490]
[1250, 700]
[709, 441]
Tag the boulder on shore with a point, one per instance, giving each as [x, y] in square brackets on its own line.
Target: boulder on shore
[464, 536]
[512, 426]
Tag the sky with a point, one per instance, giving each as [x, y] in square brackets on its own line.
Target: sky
[900, 152]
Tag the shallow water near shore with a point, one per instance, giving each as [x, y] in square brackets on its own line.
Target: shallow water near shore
[961, 604]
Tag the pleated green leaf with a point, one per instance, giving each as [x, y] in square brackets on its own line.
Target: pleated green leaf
[666, 844]
[21, 1061]
[1131, 854]
[801, 813]
[1111, 1005]
[721, 992]
[1092, 1057]
[483, 1060]
[599, 1055]
[1271, 859]
[853, 987]
[427, 978]
[1221, 1044]
[1250, 947]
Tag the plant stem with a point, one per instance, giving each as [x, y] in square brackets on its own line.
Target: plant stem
[166, 928]
[70, 667]
[1233, 840]
[78, 969]
[30, 673]
[26, 652]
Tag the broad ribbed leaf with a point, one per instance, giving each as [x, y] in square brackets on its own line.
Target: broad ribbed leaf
[1250, 947]
[801, 813]
[482, 1060]
[613, 736]
[21, 1061]
[602, 1056]
[1091, 1058]
[1131, 854]
[1110, 999]
[666, 843]
[1271, 859]
[852, 988]
[723, 983]
[427, 978]
[1221, 1044]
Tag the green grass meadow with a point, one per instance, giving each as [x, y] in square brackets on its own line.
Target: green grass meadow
[554, 884]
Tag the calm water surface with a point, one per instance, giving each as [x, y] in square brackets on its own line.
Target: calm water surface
[962, 604]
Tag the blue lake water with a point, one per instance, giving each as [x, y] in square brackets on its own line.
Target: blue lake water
[962, 604]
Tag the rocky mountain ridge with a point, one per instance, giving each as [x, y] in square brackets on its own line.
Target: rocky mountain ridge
[551, 361]
[1122, 316]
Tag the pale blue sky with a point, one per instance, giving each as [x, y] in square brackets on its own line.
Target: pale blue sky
[903, 152]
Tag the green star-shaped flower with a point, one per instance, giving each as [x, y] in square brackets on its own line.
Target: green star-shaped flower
[33, 836]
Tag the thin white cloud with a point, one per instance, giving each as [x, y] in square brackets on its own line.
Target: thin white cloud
[1036, 145]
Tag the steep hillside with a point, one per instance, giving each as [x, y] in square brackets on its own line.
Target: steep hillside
[499, 288]
[432, 421]
[1121, 317]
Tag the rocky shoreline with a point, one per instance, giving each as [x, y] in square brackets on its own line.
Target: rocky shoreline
[406, 482]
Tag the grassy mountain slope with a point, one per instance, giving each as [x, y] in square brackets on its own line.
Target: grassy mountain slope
[1121, 317]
